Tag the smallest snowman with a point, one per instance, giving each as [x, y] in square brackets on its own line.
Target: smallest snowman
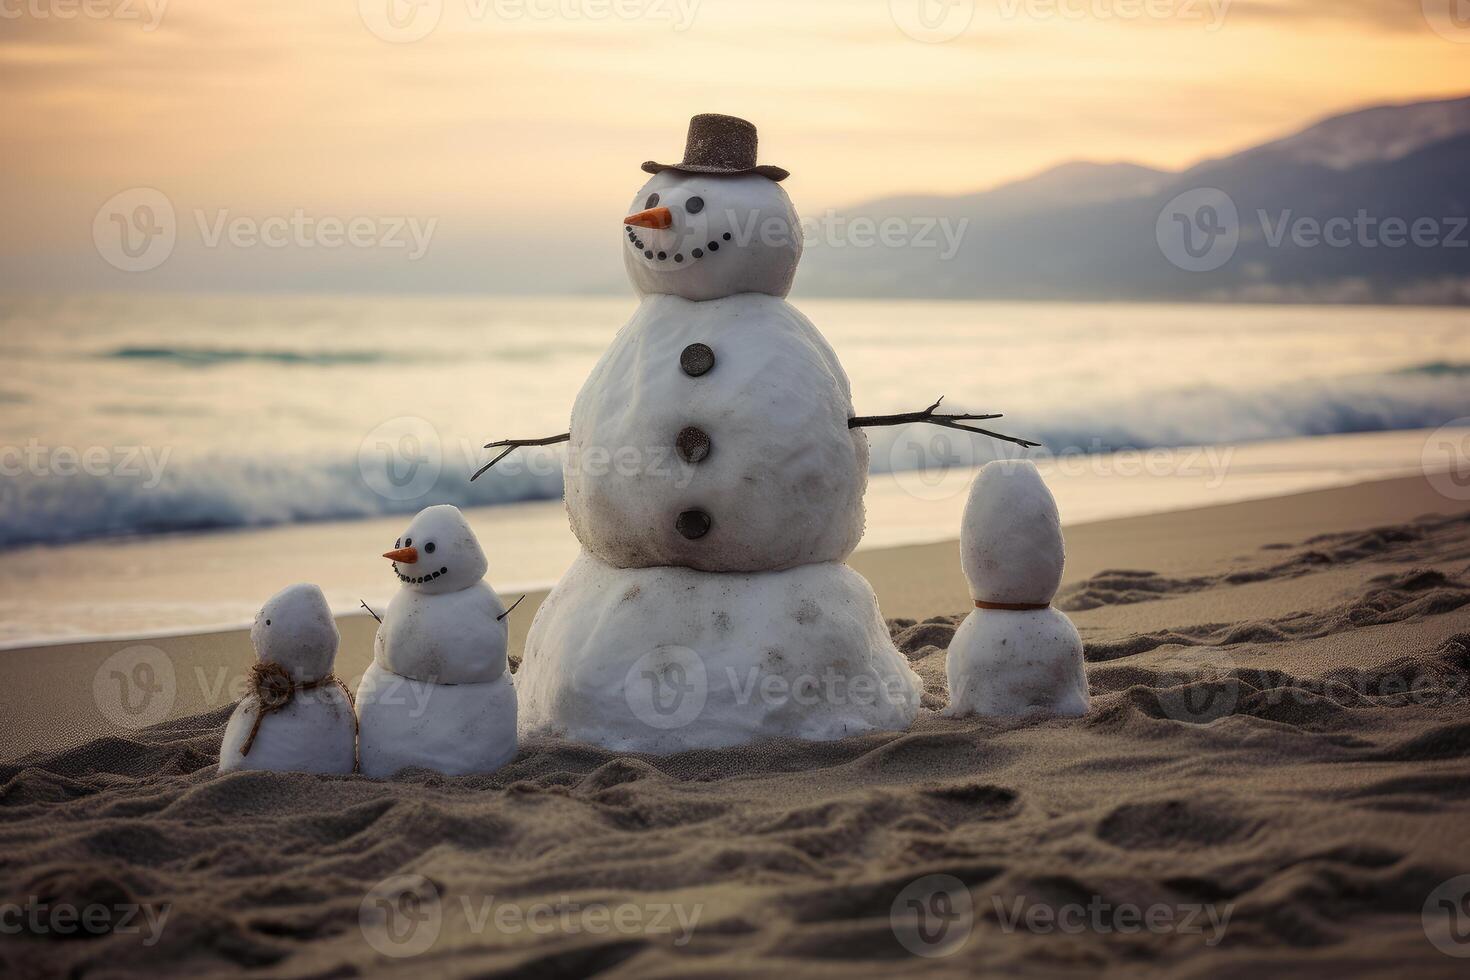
[298, 716]
[1015, 654]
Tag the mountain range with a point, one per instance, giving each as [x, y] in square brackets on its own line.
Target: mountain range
[1368, 206]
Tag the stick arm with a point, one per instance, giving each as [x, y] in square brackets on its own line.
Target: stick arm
[930, 416]
[511, 445]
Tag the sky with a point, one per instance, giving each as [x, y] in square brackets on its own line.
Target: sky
[502, 138]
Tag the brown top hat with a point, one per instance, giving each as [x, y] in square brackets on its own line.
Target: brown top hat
[719, 145]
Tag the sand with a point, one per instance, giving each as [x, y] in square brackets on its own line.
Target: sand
[1275, 776]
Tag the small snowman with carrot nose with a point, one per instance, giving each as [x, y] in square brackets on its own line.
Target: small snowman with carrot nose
[438, 694]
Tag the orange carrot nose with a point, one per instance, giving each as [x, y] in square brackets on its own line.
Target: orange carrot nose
[652, 218]
[406, 555]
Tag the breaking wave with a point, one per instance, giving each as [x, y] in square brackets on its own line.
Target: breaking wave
[163, 494]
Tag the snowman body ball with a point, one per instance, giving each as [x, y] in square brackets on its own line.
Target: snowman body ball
[1014, 654]
[438, 694]
[297, 716]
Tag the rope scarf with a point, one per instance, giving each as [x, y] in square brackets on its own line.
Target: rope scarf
[274, 689]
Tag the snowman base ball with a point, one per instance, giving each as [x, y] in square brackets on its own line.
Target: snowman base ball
[667, 659]
[1009, 663]
[315, 733]
[454, 729]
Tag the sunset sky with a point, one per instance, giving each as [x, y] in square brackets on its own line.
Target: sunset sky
[519, 124]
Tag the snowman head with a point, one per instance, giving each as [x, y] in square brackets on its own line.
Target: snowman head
[438, 553]
[295, 629]
[703, 236]
[1011, 546]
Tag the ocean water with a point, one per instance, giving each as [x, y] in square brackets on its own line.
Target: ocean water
[144, 414]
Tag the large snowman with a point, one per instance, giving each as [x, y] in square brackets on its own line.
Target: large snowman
[715, 479]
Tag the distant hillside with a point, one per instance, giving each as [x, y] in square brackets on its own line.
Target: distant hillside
[1079, 182]
[1094, 231]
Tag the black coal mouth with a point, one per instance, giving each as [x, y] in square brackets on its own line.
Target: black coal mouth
[418, 580]
[678, 258]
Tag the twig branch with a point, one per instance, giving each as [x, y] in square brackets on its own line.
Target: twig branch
[955, 421]
[947, 421]
[511, 609]
[513, 444]
[369, 608]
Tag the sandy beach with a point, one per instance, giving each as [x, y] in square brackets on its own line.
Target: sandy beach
[1272, 777]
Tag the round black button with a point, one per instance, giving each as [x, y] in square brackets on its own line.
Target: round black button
[693, 524]
[697, 359]
[693, 444]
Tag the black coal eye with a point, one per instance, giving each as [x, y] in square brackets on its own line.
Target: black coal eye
[694, 205]
[398, 543]
[429, 547]
[267, 622]
[652, 201]
[407, 542]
